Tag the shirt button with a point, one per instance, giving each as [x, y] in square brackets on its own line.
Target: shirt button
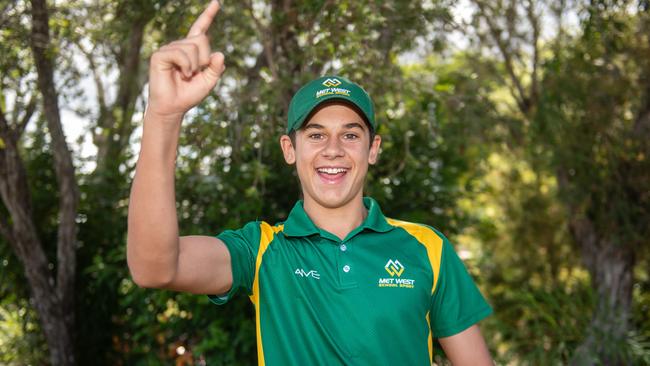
[344, 247]
[346, 268]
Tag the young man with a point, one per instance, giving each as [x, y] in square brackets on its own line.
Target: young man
[337, 282]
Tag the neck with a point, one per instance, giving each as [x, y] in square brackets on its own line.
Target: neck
[339, 221]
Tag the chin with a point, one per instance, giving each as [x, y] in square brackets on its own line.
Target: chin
[332, 203]
[332, 200]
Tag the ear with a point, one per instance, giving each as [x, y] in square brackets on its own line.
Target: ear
[287, 149]
[374, 150]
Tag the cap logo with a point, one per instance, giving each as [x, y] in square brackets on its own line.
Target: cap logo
[331, 89]
[332, 83]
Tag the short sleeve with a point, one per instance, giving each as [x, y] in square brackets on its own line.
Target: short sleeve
[242, 245]
[457, 303]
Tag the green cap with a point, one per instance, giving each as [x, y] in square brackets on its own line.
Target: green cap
[327, 88]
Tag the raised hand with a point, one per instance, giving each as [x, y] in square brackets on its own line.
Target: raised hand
[182, 73]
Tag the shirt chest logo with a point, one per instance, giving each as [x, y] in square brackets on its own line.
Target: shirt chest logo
[307, 274]
[395, 269]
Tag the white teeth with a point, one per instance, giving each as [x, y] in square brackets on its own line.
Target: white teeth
[331, 170]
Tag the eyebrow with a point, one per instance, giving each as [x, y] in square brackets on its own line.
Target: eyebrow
[354, 125]
[314, 126]
[321, 127]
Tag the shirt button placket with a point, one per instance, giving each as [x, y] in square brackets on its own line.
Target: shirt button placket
[346, 268]
[346, 275]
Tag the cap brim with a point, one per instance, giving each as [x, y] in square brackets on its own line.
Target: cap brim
[330, 98]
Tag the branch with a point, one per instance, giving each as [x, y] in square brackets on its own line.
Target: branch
[4, 18]
[5, 231]
[4, 126]
[307, 67]
[5, 228]
[492, 71]
[15, 124]
[311, 34]
[317, 15]
[642, 122]
[127, 56]
[520, 96]
[12, 173]
[27, 116]
[129, 82]
[266, 41]
[405, 157]
[99, 84]
[559, 9]
[534, 22]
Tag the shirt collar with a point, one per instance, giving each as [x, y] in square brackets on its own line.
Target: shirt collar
[299, 224]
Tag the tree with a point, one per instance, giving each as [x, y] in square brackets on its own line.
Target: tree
[581, 115]
[54, 294]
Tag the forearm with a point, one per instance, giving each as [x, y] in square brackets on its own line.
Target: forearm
[467, 348]
[181, 74]
[152, 239]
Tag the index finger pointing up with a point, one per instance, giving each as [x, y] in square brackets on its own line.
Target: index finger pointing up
[202, 23]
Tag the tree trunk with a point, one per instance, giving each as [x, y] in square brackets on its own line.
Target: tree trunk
[54, 300]
[610, 266]
[22, 237]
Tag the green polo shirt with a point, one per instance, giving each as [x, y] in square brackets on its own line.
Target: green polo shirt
[377, 297]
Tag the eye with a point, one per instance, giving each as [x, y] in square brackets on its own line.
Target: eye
[316, 136]
[350, 136]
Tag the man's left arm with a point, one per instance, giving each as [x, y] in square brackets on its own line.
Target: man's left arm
[457, 306]
[467, 348]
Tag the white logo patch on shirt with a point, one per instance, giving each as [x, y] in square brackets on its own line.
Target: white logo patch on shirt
[395, 270]
[312, 273]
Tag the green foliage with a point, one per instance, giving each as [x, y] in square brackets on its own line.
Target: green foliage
[588, 119]
[21, 342]
[550, 324]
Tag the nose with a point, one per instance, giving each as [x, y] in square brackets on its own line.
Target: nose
[333, 149]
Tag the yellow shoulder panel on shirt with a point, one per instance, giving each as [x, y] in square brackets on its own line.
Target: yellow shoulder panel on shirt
[433, 244]
[266, 236]
[431, 241]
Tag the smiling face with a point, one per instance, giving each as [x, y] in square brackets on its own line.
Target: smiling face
[332, 152]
